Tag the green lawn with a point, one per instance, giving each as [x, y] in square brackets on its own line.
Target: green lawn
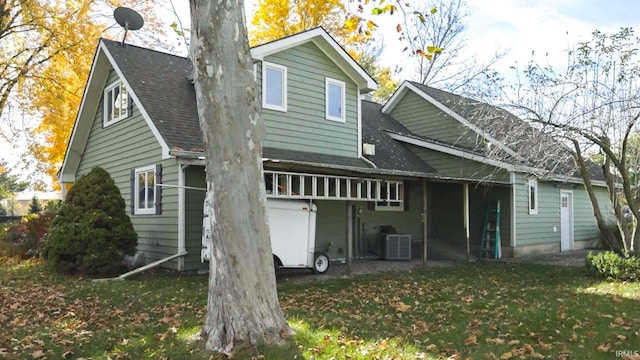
[477, 311]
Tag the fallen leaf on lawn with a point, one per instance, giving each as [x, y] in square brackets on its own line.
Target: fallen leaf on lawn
[507, 355]
[514, 342]
[621, 337]
[544, 346]
[471, 340]
[604, 347]
[432, 348]
[38, 354]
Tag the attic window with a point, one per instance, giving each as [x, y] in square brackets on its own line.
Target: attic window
[274, 87]
[116, 103]
[335, 100]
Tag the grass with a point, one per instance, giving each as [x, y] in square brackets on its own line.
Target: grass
[478, 311]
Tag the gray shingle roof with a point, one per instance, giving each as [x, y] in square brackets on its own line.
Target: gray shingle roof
[162, 84]
[390, 154]
[160, 81]
[535, 147]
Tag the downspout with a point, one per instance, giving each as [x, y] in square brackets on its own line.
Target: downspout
[143, 268]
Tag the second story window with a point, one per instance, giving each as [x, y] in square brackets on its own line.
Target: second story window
[335, 100]
[116, 103]
[274, 87]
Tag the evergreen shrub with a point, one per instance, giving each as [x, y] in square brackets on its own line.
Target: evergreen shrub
[92, 232]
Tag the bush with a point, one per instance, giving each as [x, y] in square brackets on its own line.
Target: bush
[24, 238]
[92, 232]
[613, 266]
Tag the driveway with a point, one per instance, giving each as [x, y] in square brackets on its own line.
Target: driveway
[377, 266]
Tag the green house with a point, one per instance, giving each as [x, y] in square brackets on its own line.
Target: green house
[370, 169]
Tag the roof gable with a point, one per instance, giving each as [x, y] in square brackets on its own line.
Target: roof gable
[453, 105]
[103, 62]
[326, 44]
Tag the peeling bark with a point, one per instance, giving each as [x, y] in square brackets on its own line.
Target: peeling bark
[242, 306]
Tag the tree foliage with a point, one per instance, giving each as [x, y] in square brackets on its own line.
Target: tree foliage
[442, 32]
[593, 106]
[47, 49]
[34, 206]
[9, 183]
[92, 232]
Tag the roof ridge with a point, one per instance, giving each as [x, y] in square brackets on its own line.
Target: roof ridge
[116, 43]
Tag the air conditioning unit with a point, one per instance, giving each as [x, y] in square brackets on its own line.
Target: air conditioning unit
[397, 247]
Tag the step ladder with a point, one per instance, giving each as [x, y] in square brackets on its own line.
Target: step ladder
[490, 244]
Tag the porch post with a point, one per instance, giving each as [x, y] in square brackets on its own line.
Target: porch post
[466, 219]
[424, 222]
[349, 237]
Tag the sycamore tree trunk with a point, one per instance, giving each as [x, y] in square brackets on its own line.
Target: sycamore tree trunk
[242, 305]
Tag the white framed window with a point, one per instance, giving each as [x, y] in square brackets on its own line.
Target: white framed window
[335, 99]
[533, 196]
[274, 86]
[392, 195]
[145, 193]
[116, 103]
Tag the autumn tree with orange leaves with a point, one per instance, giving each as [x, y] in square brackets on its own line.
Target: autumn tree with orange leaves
[46, 51]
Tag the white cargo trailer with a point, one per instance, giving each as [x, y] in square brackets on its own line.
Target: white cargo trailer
[292, 225]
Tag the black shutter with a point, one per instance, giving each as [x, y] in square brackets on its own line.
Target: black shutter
[406, 197]
[130, 105]
[158, 189]
[101, 109]
[133, 192]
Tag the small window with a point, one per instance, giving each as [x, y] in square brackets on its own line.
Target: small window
[274, 87]
[393, 197]
[145, 190]
[116, 103]
[335, 95]
[533, 196]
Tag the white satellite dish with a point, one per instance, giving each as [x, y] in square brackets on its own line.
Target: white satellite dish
[129, 19]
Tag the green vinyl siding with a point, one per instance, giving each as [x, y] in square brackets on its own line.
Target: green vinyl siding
[423, 118]
[543, 227]
[124, 146]
[304, 127]
[585, 227]
[449, 166]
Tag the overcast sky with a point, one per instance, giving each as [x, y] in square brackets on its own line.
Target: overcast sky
[546, 26]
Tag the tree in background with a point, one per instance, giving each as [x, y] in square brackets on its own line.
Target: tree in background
[593, 106]
[9, 183]
[44, 64]
[34, 206]
[444, 29]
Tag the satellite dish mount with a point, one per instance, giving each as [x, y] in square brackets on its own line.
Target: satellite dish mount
[129, 19]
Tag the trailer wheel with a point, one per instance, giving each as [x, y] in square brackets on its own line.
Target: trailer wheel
[320, 263]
